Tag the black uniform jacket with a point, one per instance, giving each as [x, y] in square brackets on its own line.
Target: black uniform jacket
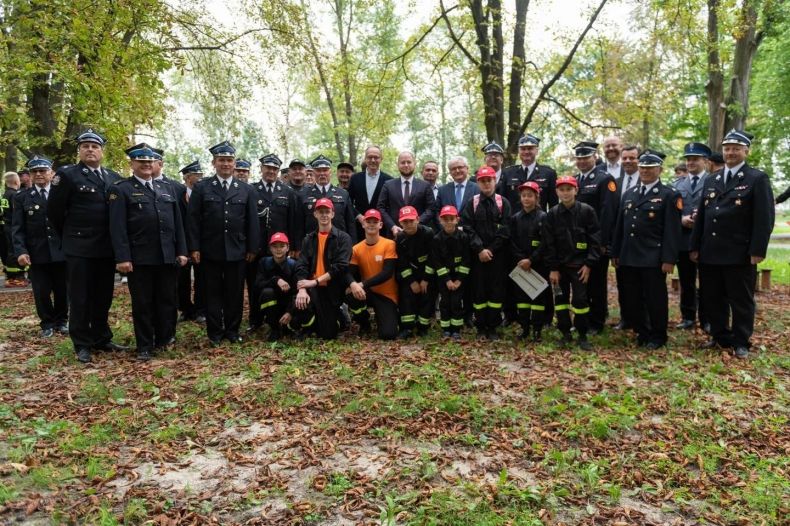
[571, 236]
[451, 256]
[487, 225]
[413, 252]
[32, 232]
[514, 176]
[345, 216]
[526, 237]
[599, 190]
[337, 254]
[279, 212]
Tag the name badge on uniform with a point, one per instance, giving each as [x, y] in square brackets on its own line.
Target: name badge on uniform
[737, 202]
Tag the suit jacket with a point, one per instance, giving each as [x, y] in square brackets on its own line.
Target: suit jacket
[647, 233]
[734, 221]
[691, 201]
[391, 201]
[621, 180]
[223, 226]
[180, 193]
[599, 190]
[145, 226]
[446, 196]
[31, 230]
[357, 191]
[77, 209]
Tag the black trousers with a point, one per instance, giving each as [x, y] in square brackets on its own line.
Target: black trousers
[154, 304]
[728, 288]
[691, 305]
[647, 302]
[11, 267]
[50, 293]
[321, 314]
[186, 304]
[91, 282]
[451, 306]
[532, 312]
[597, 293]
[250, 273]
[572, 297]
[416, 309]
[621, 301]
[488, 294]
[272, 303]
[384, 309]
[224, 281]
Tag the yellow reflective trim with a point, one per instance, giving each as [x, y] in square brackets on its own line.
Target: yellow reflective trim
[585, 310]
[357, 311]
[429, 270]
[406, 273]
[581, 246]
[442, 271]
[444, 324]
[538, 307]
[268, 304]
[463, 270]
[479, 306]
[535, 242]
[523, 305]
[492, 305]
[562, 307]
[309, 323]
[422, 259]
[424, 321]
[457, 259]
[407, 318]
[457, 322]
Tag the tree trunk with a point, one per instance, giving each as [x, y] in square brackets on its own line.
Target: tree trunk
[349, 114]
[715, 86]
[491, 87]
[517, 67]
[746, 43]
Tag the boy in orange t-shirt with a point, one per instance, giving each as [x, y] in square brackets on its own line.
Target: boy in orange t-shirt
[371, 280]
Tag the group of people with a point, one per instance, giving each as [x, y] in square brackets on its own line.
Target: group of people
[316, 256]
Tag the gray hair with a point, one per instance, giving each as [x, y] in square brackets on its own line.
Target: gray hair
[458, 159]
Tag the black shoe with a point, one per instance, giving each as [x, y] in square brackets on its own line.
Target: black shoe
[62, 329]
[493, 335]
[47, 333]
[200, 319]
[274, 335]
[405, 334]
[234, 338]
[706, 328]
[566, 340]
[685, 325]
[595, 331]
[536, 337]
[455, 335]
[524, 334]
[741, 352]
[710, 344]
[252, 328]
[84, 355]
[652, 346]
[584, 344]
[185, 317]
[364, 329]
[215, 342]
[447, 334]
[143, 355]
[111, 347]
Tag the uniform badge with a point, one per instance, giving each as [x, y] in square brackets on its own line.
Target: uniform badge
[260, 201]
[712, 195]
[214, 182]
[737, 202]
[55, 180]
[592, 176]
[655, 190]
[36, 207]
[30, 212]
[612, 186]
[629, 205]
[651, 215]
[235, 184]
[113, 197]
[679, 203]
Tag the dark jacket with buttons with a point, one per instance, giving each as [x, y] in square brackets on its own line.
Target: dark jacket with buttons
[571, 236]
[345, 215]
[486, 224]
[514, 176]
[145, 226]
[451, 256]
[413, 251]
[599, 190]
[32, 232]
[77, 209]
[526, 237]
[223, 226]
[734, 221]
[648, 231]
[279, 212]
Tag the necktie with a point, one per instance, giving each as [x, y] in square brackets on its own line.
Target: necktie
[323, 191]
[727, 179]
[406, 192]
[694, 181]
[642, 192]
[459, 195]
[149, 187]
[98, 174]
[225, 186]
[43, 193]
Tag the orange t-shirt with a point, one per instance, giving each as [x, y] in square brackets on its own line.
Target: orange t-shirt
[319, 263]
[370, 260]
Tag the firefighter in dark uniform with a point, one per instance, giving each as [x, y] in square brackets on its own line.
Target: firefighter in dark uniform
[321, 273]
[223, 235]
[485, 217]
[529, 170]
[526, 234]
[278, 211]
[190, 309]
[242, 170]
[297, 173]
[730, 237]
[345, 216]
[275, 286]
[78, 210]
[451, 261]
[572, 241]
[37, 245]
[416, 289]
[149, 242]
[645, 246]
[598, 189]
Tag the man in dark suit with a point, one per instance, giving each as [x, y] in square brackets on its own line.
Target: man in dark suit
[598, 189]
[190, 310]
[149, 243]
[37, 245]
[365, 187]
[405, 190]
[629, 162]
[223, 234]
[729, 238]
[645, 247]
[690, 188]
[344, 218]
[460, 190]
[529, 170]
[77, 209]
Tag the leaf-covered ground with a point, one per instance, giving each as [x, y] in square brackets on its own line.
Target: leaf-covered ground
[419, 432]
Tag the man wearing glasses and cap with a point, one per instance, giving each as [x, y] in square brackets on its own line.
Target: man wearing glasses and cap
[645, 247]
[728, 241]
[78, 210]
[37, 245]
[494, 158]
[223, 236]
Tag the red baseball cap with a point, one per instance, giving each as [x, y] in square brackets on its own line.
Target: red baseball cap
[448, 210]
[529, 185]
[324, 203]
[567, 179]
[486, 172]
[407, 212]
[278, 237]
[372, 213]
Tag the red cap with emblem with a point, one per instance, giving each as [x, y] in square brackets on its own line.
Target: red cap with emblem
[567, 179]
[324, 203]
[407, 212]
[278, 237]
[486, 172]
[448, 210]
[372, 213]
[530, 185]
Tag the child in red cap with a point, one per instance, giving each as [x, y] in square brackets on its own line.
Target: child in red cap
[416, 291]
[450, 261]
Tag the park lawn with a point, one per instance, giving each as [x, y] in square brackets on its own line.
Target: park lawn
[778, 260]
[361, 431]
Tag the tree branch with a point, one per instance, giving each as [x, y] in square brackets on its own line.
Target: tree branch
[453, 36]
[419, 40]
[575, 117]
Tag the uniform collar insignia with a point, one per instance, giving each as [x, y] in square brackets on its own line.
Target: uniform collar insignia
[655, 190]
[718, 177]
[214, 182]
[235, 184]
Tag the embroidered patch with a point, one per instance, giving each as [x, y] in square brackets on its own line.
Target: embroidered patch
[612, 186]
[679, 203]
